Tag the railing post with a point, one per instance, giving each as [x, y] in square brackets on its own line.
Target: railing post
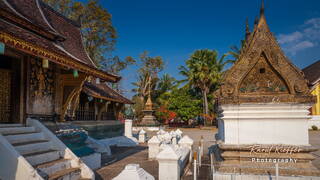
[195, 165]
[201, 145]
[277, 171]
[169, 168]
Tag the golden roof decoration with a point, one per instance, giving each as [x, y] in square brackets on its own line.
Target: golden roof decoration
[263, 74]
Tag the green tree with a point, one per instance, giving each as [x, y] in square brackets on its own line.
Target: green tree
[98, 32]
[164, 87]
[236, 51]
[184, 104]
[147, 77]
[204, 70]
[147, 74]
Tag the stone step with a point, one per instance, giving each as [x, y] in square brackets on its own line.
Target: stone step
[66, 174]
[16, 130]
[11, 125]
[29, 142]
[34, 147]
[42, 157]
[54, 166]
[22, 138]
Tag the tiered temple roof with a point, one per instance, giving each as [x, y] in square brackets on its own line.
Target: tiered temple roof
[35, 28]
[103, 91]
[312, 73]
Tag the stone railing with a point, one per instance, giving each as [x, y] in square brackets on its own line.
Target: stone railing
[172, 151]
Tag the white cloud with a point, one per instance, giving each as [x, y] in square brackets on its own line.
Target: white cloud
[307, 37]
[300, 46]
[287, 38]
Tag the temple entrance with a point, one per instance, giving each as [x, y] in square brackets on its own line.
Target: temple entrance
[10, 75]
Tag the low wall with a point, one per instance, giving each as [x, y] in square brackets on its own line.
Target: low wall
[92, 160]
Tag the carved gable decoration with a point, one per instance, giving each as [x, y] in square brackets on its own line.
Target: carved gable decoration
[263, 79]
[263, 74]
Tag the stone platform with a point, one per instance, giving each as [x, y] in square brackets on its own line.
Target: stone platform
[261, 159]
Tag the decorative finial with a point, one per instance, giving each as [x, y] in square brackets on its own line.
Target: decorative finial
[247, 26]
[256, 21]
[247, 30]
[262, 8]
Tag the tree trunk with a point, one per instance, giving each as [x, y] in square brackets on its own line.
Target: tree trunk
[206, 108]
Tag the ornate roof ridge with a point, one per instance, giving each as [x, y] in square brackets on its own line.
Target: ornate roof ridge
[73, 22]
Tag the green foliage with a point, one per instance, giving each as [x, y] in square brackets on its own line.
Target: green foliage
[98, 32]
[184, 104]
[115, 64]
[147, 74]
[203, 70]
[138, 106]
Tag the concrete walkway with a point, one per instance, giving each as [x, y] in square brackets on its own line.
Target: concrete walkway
[139, 155]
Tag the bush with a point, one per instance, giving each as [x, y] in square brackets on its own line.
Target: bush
[314, 127]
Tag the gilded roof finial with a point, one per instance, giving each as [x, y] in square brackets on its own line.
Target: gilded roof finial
[247, 29]
[256, 21]
[262, 9]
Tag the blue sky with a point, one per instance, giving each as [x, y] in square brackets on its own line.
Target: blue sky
[174, 29]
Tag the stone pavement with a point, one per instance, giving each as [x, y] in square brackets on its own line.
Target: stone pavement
[124, 156]
[139, 155]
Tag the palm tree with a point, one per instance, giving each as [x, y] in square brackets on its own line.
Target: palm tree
[235, 51]
[164, 88]
[204, 71]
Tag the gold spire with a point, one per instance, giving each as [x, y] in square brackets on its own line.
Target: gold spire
[247, 30]
[148, 105]
[262, 9]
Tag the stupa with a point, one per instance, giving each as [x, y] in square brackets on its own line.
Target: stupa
[263, 111]
[148, 111]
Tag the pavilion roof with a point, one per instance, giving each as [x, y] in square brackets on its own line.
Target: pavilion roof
[103, 91]
[312, 73]
[35, 28]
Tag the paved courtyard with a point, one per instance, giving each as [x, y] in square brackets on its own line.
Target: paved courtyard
[139, 155]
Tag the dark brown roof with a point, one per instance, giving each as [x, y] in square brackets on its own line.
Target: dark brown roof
[103, 91]
[312, 73]
[33, 23]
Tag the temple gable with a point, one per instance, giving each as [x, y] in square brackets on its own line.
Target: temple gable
[263, 79]
[263, 74]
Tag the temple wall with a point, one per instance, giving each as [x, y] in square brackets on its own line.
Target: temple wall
[265, 124]
[40, 88]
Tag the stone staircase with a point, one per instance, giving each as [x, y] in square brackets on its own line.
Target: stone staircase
[43, 153]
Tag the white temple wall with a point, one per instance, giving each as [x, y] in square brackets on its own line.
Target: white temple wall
[264, 124]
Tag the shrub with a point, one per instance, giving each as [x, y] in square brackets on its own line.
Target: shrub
[314, 127]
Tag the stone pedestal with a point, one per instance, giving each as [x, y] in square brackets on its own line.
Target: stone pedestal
[187, 142]
[168, 164]
[134, 172]
[128, 128]
[148, 118]
[142, 136]
[153, 147]
[253, 137]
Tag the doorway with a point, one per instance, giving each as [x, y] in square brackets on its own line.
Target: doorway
[10, 78]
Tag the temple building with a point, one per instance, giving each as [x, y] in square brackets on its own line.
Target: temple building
[264, 111]
[48, 77]
[99, 102]
[43, 62]
[312, 73]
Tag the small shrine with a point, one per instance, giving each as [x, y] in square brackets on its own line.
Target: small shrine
[263, 111]
[148, 111]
